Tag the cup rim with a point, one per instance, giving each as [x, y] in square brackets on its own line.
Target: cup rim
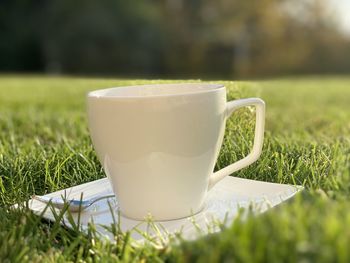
[189, 89]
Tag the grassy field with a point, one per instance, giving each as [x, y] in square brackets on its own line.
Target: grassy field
[45, 146]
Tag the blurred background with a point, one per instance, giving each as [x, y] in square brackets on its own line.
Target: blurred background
[175, 38]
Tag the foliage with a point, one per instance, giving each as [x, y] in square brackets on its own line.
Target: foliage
[189, 38]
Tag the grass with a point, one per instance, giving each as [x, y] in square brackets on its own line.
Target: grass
[45, 146]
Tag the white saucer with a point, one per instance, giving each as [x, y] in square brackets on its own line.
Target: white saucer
[221, 206]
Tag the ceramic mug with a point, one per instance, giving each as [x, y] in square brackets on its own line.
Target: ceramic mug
[158, 144]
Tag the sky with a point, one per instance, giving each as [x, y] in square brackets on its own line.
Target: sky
[342, 8]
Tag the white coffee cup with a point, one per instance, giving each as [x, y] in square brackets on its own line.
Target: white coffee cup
[158, 144]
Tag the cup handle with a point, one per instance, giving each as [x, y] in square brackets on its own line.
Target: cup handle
[231, 106]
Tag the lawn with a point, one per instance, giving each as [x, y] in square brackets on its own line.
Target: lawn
[45, 146]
